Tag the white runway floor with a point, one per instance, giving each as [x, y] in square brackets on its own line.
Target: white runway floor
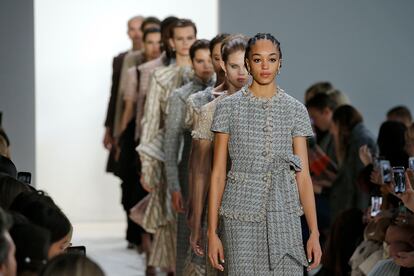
[106, 245]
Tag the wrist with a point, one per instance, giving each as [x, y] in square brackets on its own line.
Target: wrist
[314, 233]
[211, 233]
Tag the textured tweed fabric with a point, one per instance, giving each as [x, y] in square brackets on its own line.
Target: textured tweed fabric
[176, 162]
[260, 204]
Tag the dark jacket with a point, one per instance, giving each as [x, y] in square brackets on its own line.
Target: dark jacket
[110, 114]
[345, 193]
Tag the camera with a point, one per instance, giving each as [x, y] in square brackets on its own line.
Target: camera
[399, 179]
[385, 170]
[411, 163]
[25, 177]
[376, 202]
[77, 249]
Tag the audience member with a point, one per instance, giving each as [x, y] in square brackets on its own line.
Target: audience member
[10, 188]
[7, 167]
[321, 108]
[7, 247]
[349, 134]
[346, 234]
[400, 114]
[42, 211]
[72, 265]
[32, 246]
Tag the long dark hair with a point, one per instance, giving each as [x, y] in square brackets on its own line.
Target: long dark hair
[345, 117]
[42, 211]
[391, 143]
[346, 233]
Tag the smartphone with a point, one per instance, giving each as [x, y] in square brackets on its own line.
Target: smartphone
[411, 163]
[399, 179]
[24, 177]
[376, 202]
[77, 249]
[386, 171]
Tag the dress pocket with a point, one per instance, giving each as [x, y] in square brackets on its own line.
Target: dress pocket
[244, 196]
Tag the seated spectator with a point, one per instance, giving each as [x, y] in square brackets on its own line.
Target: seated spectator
[4, 148]
[7, 167]
[371, 249]
[4, 144]
[317, 88]
[391, 143]
[7, 248]
[400, 114]
[72, 265]
[32, 245]
[321, 108]
[346, 233]
[10, 188]
[328, 89]
[409, 140]
[42, 211]
[349, 134]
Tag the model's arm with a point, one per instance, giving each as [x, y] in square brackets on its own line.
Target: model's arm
[307, 199]
[218, 180]
[201, 170]
[174, 127]
[150, 127]
[110, 113]
[130, 97]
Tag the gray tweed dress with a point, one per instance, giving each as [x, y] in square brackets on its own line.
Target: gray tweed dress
[260, 206]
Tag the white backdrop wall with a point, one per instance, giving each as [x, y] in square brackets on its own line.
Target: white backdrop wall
[75, 42]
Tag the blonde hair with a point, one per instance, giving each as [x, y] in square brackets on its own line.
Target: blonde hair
[4, 149]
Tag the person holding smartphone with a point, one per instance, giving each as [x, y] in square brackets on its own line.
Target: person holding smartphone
[264, 131]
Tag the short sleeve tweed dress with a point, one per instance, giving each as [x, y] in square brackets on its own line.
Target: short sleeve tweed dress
[260, 206]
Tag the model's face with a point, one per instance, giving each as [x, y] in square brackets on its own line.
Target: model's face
[182, 40]
[203, 67]
[263, 61]
[236, 72]
[322, 119]
[60, 246]
[9, 267]
[216, 57]
[134, 31]
[152, 45]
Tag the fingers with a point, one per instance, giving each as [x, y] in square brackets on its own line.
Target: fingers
[198, 250]
[309, 254]
[316, 258]
[402, 254]
[214, 260]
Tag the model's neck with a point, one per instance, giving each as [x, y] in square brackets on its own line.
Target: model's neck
[183, 60]
[136, 46]
[231, 89]
[220, 78]
[263, 91]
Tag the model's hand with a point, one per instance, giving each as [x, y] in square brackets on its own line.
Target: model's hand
[405, 259]
[408, 196]
[313, 251]
[196, 243]
[108, 140]
[177, 202]
[365, 155]
[216, 252]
